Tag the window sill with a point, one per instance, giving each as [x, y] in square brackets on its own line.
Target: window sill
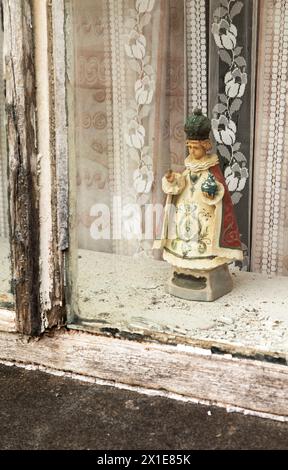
[185, 373]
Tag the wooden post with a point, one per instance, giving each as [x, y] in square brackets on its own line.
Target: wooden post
[37, 159]
[22, 162]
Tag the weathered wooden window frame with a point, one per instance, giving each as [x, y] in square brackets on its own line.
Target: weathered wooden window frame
[22, 158]
[37, 244]
[36, 118]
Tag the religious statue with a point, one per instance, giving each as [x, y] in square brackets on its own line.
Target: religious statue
[200, 236]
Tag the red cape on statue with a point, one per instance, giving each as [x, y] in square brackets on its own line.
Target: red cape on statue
[230, 236]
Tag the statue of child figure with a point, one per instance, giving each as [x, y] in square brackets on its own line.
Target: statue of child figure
[200, 236]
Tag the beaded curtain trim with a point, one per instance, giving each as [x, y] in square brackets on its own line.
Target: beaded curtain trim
[196, 53]
[270, 240]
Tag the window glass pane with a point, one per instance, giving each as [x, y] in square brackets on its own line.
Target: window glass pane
[128, 82]
[127, 71]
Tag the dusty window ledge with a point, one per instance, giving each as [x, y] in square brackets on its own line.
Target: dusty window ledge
[126, 297]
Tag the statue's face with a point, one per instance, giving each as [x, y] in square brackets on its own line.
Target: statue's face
[195, 149]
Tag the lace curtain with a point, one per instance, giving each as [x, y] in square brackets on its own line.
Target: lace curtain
[129, 101]
[130, 74]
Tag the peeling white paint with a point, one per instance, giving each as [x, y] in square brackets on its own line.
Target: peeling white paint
[44, 164]
[194, 350]
[61, 125]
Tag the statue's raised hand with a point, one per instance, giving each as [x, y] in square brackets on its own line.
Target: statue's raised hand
[170, 176]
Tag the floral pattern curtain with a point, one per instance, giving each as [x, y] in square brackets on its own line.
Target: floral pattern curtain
[129, 102]
[232, 72]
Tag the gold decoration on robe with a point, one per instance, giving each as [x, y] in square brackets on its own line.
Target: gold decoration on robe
[192, 222]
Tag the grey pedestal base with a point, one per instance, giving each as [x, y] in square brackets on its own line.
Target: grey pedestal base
[203, 286]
